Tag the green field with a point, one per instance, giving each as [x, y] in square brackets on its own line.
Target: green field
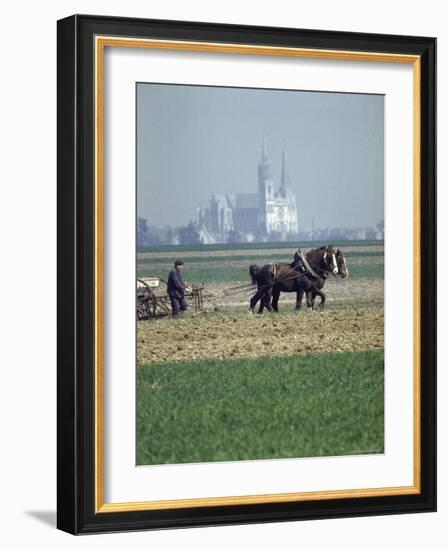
[246, 257]
[229, 262]
[252, 246]
[207, 273]
[300, 405]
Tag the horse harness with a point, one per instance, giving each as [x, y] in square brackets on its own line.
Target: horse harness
[307, 269]
[324, 273]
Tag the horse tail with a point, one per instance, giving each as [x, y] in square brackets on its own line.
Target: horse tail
[253, 271]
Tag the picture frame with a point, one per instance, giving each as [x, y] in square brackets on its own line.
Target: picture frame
[82, 196]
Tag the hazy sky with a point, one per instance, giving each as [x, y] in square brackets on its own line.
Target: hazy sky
[195, 140]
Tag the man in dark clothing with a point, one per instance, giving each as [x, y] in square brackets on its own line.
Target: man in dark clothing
[176, 288]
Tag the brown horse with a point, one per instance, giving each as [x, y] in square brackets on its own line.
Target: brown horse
[316, 290]
[264, 277]
[300, 276]
[309, 285]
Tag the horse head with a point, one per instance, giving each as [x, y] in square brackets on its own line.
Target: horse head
[329, 259]
[342, 264]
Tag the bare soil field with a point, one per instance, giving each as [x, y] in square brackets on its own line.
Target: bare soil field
[243, 335]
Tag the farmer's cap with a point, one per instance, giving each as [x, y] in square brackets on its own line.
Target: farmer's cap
[178, 262]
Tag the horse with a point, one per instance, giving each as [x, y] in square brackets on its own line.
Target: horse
[265, 276]
[292, 277]
[311, 283]
[316, 289]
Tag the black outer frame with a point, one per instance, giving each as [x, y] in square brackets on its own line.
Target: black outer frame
[75, 380]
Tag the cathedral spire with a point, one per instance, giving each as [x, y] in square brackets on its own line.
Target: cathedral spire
[264, 151]
[283, 163]
[264, 167]
[285, 181]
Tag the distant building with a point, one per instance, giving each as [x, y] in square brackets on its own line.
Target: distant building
[251, 216]
[379, 231]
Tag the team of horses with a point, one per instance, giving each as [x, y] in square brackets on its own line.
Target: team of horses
[305, 275]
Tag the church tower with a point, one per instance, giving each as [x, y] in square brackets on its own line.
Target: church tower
[286, 194]
[285, 181]
[266, 193]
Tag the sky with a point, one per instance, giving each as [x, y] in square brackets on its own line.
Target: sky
[193, 141]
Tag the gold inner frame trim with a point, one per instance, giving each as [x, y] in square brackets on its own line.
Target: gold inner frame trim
[101, 42]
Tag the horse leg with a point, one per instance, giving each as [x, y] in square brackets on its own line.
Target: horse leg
[266, 300]
[321, 296]
[264, 296]
[267, 294]
[275, 298]
[309, 301]
[313, 298]
[255, 298]
[299, 298]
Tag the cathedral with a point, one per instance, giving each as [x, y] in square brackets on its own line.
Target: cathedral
[268, 214]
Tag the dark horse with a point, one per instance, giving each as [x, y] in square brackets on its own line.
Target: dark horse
[302, 275]
[343, 272]
[312, 288]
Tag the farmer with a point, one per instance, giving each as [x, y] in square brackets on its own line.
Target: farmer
[176, 288]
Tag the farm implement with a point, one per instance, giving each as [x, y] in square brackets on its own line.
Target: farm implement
[153, 300]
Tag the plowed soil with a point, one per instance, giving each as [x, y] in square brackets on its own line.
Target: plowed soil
[216, 335]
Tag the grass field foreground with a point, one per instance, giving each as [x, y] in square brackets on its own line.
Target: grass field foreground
[302, 405]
